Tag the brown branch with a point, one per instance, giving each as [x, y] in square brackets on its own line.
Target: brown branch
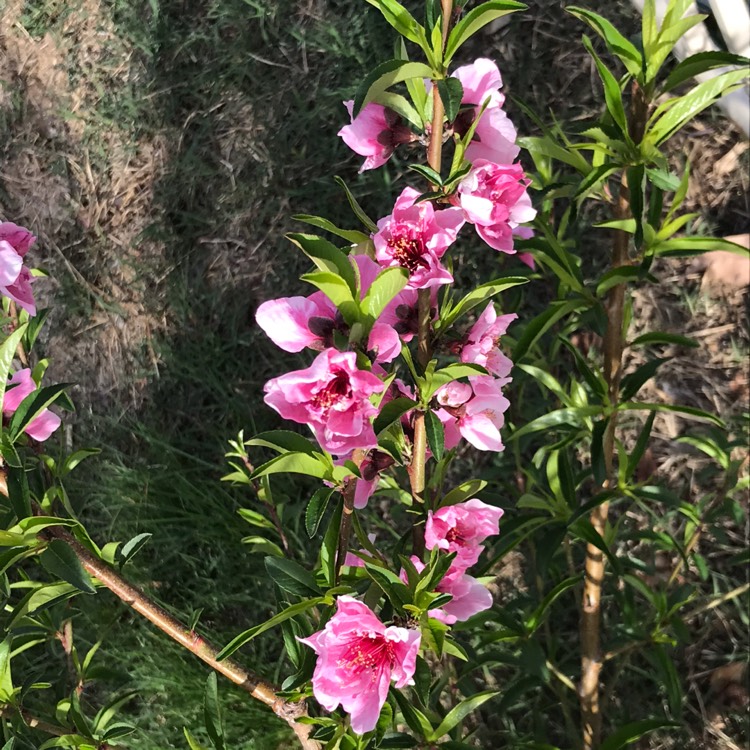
[417, 470]
[254, 685]
[8, 712]
[614, 339]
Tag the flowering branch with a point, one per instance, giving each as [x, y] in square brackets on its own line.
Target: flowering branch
[255, 686]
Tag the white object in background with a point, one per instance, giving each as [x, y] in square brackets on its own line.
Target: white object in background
[732, 15]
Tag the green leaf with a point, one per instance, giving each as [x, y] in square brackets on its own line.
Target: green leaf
[537, 616]
[327, 257]
[400, 105]
[428, 173]
[62, 562]
[7, 355]
[212, 713]
[368, 223]
[475, 20]
[548, 381]
[293, 463]
[192, 742]
[403, 21]
[460, 712]
[683, 247]
[392, 586]
[18, 491]
[700, 63]
[629, 55]
[337, 290]
[594, 179]
[537, 326]
[463, 492]
[640, 446]
[556, 418]
[385, 75]
[451, 92]
[672, 29]
[384, 288]
[673, 114]
[658, 337]
[131, 548]
[435, 434]
[350, 235]
[413, 717]
[546, 146]
[282, 441]
[687, 411]
[6, 679]
[316, 509]
[478, 295]
[259, 545]
[392, 411]
[612, 93]
[277, 619]
[663, 180]
[291, 577]
[633, 731]
[633, 382]
[584, 529]
[617, 276]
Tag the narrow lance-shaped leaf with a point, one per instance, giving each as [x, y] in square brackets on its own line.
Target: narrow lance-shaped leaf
[385, 75]
[460, 712]
[401, 20]
[629, 55]
[277, 619]
[612, 93]
[62, 562]
[359, 212]
[327, 257]
[475, 20]
[700, 63]
[673, 114]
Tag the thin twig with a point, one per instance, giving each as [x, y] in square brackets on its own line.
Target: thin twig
[590, 629]
[8, 712]
[255, 686]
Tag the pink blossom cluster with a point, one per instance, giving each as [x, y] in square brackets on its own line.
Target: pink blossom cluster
[492, 196]
[461, 529]
[15, 278]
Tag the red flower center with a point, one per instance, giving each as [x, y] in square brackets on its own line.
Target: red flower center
[368, 653]
[335, 390]
[408, 252]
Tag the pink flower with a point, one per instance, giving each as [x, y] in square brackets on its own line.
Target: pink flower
[374, 133]
[15, 279]
[494, 138]
[495, 200]
[358, 657]
[469, 595]
[19, 387]
[415, 237]
[461, 529]
[332, 398]
[481, 80]
[296, 323]
[481, 347]
[473, 412]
